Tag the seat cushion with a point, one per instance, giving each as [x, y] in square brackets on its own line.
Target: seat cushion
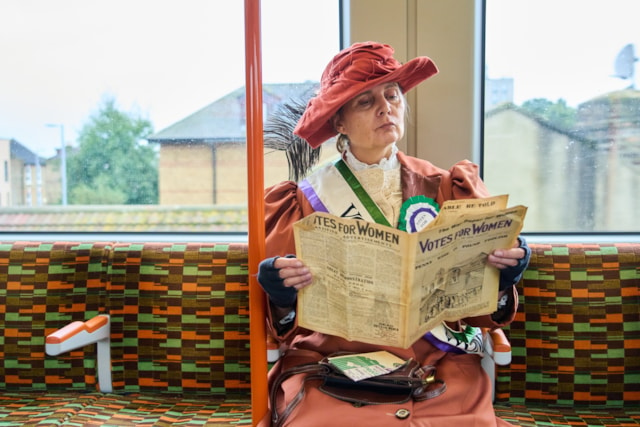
[535, 416]
[161, 410]
[40, 409]
[77, 409]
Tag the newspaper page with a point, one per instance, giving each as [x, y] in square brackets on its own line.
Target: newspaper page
[453, 209]
[381, 285]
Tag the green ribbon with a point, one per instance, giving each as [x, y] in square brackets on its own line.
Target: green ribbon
[361, 193]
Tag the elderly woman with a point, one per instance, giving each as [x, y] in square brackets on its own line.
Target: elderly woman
[361, 99]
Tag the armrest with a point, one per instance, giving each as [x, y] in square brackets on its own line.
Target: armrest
[80, 334]
[501, 347]
[273, 349]
[497, 351]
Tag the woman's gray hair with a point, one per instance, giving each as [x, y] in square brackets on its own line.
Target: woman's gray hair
[342, 142]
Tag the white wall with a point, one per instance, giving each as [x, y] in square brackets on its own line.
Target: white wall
[445, 110]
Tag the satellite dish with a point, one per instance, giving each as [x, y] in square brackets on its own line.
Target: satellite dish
[624, 66]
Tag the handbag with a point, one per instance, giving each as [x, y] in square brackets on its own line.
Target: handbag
[410, 381]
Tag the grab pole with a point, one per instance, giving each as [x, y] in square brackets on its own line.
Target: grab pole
[255, 181]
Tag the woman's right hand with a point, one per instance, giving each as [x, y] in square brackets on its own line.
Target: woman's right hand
[282, 277]
[293, 272]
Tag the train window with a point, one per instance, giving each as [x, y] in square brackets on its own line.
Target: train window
[562, 109]
[129, 116]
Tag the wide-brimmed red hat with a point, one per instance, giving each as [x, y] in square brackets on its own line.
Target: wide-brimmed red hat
[354, 70]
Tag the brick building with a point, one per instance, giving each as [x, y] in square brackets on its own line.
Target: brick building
[21, 182]
[203, 156]
[581, 179]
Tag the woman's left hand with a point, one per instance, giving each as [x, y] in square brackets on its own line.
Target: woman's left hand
[504, 258]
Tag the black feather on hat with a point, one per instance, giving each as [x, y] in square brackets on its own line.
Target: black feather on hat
[278, 135]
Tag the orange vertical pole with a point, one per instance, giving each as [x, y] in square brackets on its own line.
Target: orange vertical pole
[255, 176]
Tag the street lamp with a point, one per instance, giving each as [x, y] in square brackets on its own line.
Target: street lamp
[63, 161]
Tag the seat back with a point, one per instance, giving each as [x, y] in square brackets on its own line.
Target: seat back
[44, 286]
[180, 318]
[576, 337]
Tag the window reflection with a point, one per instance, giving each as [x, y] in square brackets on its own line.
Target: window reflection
[564, 138]
[132, 85]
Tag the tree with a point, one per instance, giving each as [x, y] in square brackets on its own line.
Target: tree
[113, 165]
[558, 114]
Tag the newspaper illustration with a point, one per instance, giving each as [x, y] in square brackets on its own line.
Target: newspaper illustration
[381, 285]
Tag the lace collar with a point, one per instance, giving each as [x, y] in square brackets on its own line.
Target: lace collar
[385, 164]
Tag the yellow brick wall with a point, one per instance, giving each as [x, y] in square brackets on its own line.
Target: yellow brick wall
[189, 173]
[185, 174]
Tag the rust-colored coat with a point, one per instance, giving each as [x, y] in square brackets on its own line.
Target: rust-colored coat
[467, 400]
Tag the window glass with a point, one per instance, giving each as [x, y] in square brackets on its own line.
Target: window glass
[562, 112]
[142, 104]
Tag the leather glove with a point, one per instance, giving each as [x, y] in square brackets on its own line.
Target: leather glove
[273, 285]
[512, 275]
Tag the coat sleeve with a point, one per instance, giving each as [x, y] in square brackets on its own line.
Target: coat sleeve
[284, 205]
[465, 182]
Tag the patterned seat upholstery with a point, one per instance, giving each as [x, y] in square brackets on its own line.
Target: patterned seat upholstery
[180, 316]
[44, 286]
[179, 335]
[576, 339]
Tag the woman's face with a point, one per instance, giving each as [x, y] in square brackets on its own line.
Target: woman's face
[373, 120]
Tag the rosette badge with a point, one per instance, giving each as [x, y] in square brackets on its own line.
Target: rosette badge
[416, 213]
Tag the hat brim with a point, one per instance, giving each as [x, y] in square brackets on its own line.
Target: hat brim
[315, 125]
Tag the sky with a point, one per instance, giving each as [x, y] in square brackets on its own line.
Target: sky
[561, 49]
[160, 59]
[166, 59]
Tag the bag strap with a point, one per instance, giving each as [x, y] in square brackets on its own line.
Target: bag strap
[426, 383]
[431, 386]
[423, 381]
[313, 370]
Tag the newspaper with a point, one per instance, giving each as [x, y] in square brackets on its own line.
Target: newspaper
[381, 285]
